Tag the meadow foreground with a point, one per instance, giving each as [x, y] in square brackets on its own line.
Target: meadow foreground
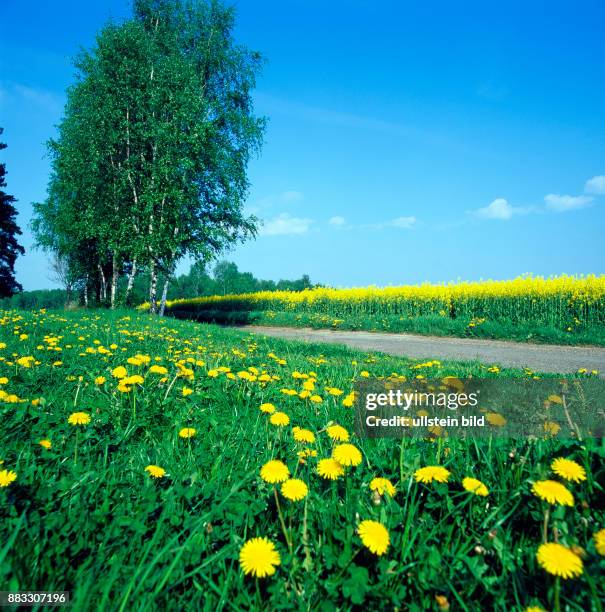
[158, 464]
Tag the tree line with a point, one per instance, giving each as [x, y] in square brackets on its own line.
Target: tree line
[150, 162]
[224, 278]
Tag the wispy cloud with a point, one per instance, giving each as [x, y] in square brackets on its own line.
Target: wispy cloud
[563, 203]
[33, 96]
[275, 200]
[399, 222]
[595, 185]
[344, 118]
[337, 221]
[284, 224]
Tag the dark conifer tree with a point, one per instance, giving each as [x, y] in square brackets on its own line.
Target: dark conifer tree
[9, 247]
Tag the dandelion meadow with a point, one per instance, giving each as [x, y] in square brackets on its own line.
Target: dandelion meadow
[152, 463]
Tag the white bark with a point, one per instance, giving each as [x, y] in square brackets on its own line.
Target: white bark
[133, 273]
[153, 288]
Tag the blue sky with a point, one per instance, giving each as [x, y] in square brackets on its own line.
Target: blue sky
[407, 142]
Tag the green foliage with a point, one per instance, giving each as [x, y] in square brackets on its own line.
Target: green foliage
[40, 298]
[151, 159]
[116, 538]
[9, 230]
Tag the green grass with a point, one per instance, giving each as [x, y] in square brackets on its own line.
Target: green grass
[430, 325]
[118, 539]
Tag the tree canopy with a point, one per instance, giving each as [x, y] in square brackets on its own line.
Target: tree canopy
[150, 163]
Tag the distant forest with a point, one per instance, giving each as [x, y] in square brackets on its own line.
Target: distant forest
[224, 278]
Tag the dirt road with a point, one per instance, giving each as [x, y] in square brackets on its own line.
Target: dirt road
[537, 357]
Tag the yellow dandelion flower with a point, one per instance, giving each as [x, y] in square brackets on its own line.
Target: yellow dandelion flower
[186, 391]
[472, 485]
[568, 469]
[599, 542]
[347, 454]
[374, 536]
[267, 408]
[382, 486]
[158, 369]
[303, 435]
[294, 489]
[155, 471]
[430, 473]
[279, 419]
[551, 428]
[495, 419]
[259, 557]
[274, 471]
[338, 433]
[330, 469]
[187, 432]
[79, 418]
[316, 399]
[6, 477]
[47, 444]
[119, 372]
[553, 492]
[534, 609]
[99, 380]
[558, 560]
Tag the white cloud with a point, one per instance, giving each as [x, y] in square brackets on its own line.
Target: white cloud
[284, 224]
[595, 185]
[563, 203]
[403, 222]
[499, 209]
[337, 220]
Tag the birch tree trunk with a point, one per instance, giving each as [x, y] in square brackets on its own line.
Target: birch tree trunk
[86, 292]
[133, 273]
[153, 288]
[165, 291]
[114, 279]
[103, 283]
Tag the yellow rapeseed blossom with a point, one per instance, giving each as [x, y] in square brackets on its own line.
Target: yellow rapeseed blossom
[259, 557]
